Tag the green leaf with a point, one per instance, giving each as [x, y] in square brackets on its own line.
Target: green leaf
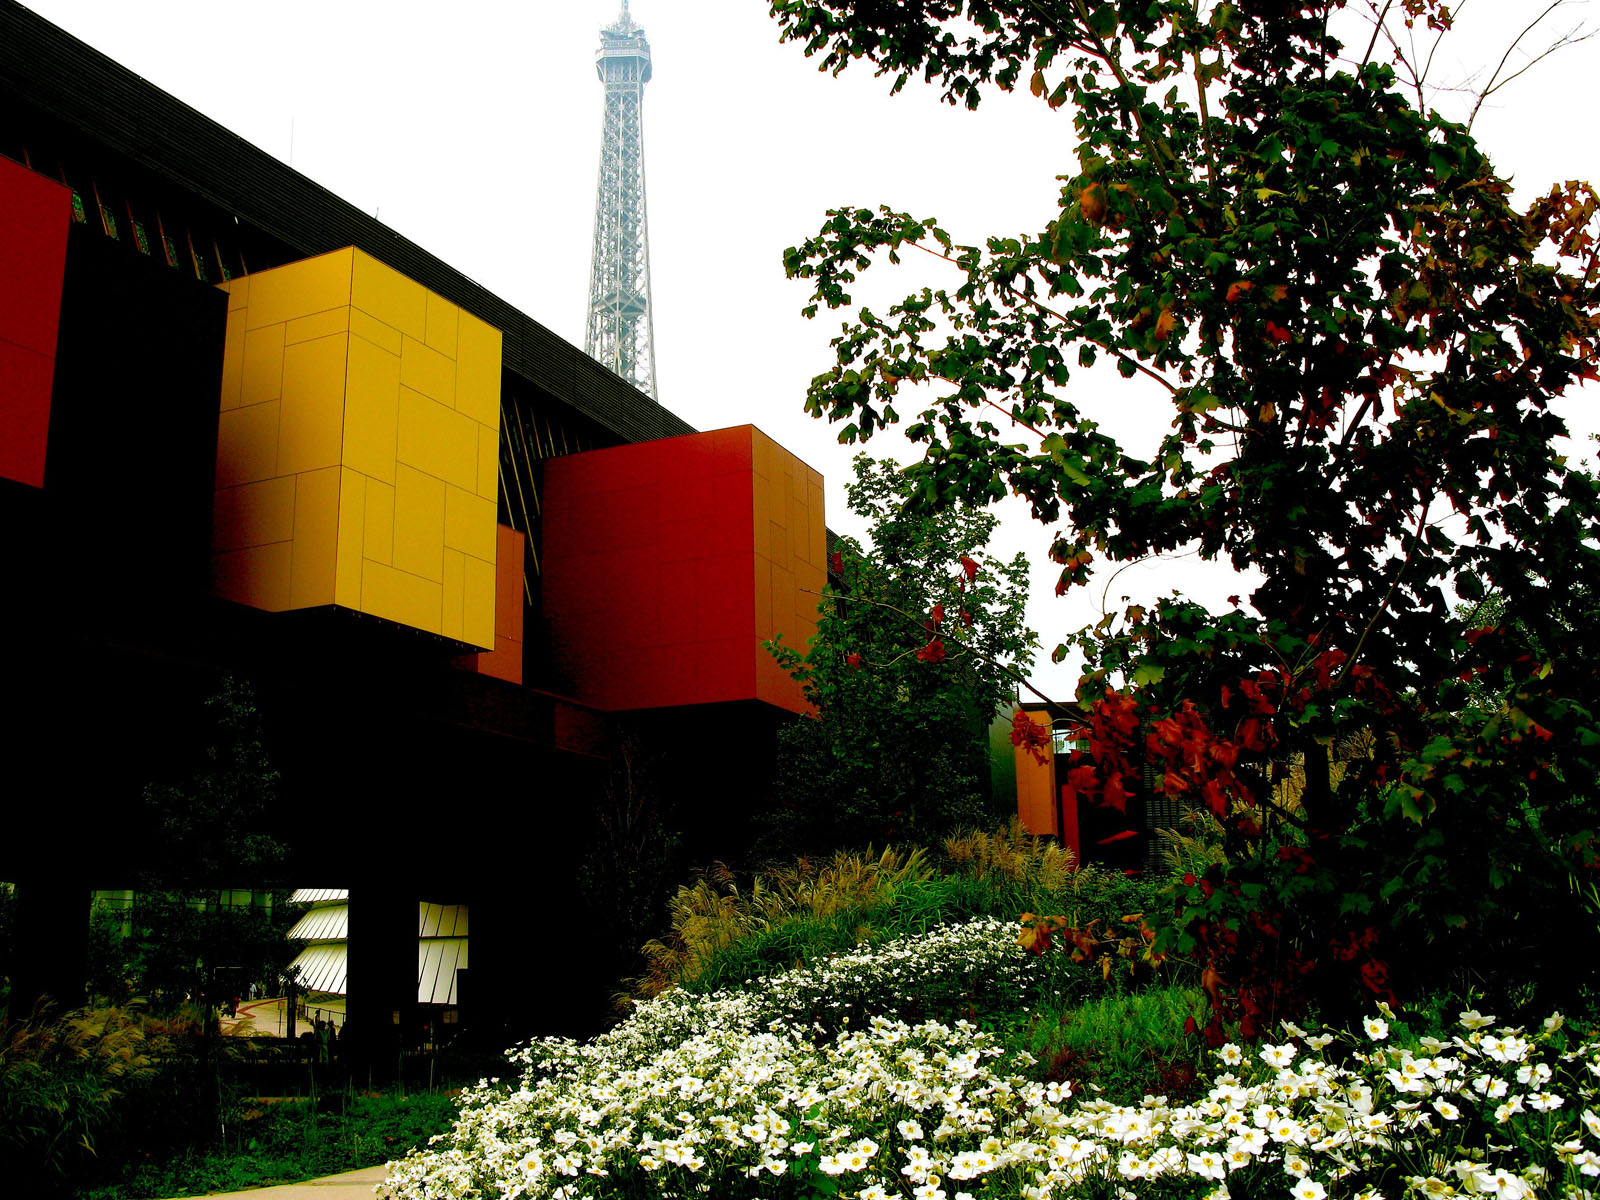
[1147, 673]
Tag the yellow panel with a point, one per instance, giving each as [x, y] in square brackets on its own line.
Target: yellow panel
[442, 316]
[375, 331]
[419, 524]
[316, 538]
[378, 544]
[469, 523]
[428, 371]
[397, 596]
[257, 576]
[478, 370]
[311, 420]
[233, 361]
[262, 377]
[477, 617]
[253, 514]
[238, 292]
[371, 399]
[383, 292]
[352, 520]
[311, 285]
[247, 444]
[303, 329]
[488, 463]
[455, 575]
[437, 440]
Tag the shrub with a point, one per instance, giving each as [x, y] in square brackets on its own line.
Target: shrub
[60, 1081]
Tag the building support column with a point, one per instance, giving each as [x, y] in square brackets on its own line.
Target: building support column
[381, 1003]
[52, 944]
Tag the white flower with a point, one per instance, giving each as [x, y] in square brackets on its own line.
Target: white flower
[1377, 1028]
[1507, 1186]
[1473, 1019]
[1447, 1110]
[1308, 1189]
[910, 1130]
[1278, 1056]
[1231, 1055]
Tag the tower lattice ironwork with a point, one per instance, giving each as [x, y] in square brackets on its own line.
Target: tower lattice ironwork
[620, 333]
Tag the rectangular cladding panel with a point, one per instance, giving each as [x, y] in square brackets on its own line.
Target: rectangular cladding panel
[790, 563]
[35, 214]
[666, 564]
[349, 472]
[1036, 787]
[505, 660]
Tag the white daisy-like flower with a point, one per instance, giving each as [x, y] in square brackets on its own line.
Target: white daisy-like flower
[1308, 1189]
[1278, 1056]
[1473, 1019]
[1231, 1054]
[1377, 1028]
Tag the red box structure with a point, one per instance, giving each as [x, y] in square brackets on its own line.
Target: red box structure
[36, 214]
[667, 564]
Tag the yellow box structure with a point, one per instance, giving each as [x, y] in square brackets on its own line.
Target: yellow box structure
[358, 448]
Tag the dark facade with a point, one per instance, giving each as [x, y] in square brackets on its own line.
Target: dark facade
[450, 750]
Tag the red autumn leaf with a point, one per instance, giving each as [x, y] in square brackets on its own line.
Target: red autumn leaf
[852, 660]
[836, 563]
[936, 617]
[933, 652]
[1030, 736]
[1278, 333]
[1114, 794]
[970, 567]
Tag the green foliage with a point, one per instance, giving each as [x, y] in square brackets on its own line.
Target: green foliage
[727, 933]
[80, 1090]
[1359, 335]
[916, 648]
[270, 1142]
[1124, 1047]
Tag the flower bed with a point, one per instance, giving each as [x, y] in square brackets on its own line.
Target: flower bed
[784, 1090]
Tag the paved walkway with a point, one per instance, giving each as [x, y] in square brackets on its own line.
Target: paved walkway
[352, 1185]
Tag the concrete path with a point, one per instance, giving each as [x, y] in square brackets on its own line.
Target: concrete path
[352, 1185]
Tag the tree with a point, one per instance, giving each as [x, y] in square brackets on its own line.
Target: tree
[184, 937]
[917, 647]
[1359, 337]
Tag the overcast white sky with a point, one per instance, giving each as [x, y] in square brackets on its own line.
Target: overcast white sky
[473, 128]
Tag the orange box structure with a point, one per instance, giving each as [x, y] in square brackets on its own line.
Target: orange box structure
[358, 448]
[1036, 788]
[505, 660]
[33, 255]
[667, 564]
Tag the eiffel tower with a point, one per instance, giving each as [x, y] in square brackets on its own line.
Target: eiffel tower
[619, 334]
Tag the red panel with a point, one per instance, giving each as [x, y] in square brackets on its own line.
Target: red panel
[649, 571]
[1068, 813]
[35, 215]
